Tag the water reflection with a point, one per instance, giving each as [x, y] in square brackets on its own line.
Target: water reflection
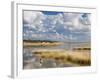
[33, 61]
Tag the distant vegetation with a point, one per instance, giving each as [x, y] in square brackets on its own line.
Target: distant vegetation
[39, 41]
[29, 43]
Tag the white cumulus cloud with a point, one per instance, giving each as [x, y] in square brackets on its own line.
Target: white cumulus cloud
[42, 23]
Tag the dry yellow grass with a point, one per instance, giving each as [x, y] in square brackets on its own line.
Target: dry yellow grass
[42, 44]
[73, 57]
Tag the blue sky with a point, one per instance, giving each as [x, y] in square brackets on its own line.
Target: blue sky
[57, 26]
[51, 12]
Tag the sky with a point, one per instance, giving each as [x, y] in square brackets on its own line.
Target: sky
[56, 26]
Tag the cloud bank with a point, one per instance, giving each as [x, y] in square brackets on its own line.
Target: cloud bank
[61, 26]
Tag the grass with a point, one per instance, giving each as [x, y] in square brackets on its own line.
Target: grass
[79, 56]
[30, 44]
[76, 58]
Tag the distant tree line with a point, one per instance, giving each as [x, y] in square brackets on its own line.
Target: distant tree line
[39, 41]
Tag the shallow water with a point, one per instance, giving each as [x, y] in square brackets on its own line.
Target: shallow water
[31, 61]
